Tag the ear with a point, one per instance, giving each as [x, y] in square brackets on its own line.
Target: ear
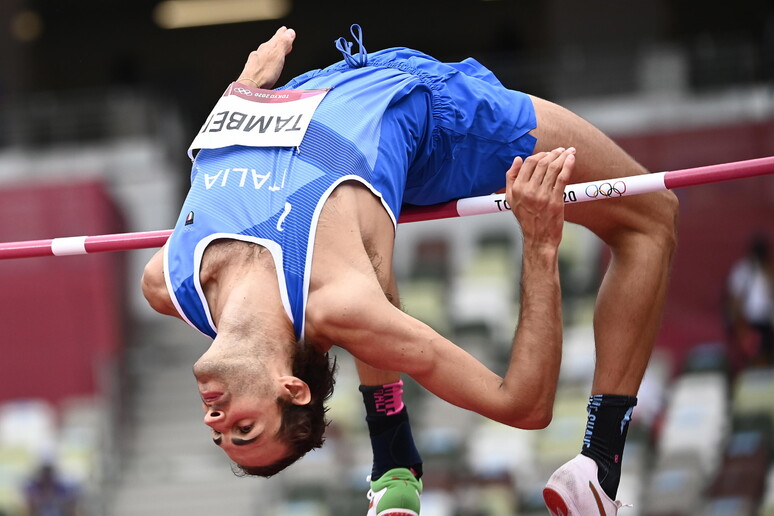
[296, 389]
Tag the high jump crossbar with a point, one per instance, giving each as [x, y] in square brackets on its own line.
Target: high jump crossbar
[494, 203]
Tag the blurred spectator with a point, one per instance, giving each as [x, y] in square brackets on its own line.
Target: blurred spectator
[750, 303]
[49, 495]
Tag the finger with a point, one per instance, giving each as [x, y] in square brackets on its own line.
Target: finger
[556, 168]
[285, 33]
[528, 167]
[563, 179]
[511, 174]
[284, 37]
[545, 165]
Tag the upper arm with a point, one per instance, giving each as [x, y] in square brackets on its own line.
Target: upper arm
[154, 287]
[361, 320]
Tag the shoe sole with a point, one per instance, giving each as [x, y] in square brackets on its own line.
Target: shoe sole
[397, 513]
[555, 503]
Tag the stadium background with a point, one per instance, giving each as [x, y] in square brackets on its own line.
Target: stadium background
[97, 105]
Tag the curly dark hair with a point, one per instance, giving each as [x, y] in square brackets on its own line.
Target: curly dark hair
[302, 426]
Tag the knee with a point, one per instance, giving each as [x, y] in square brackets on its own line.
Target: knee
[655, 226]
[647, 228]
[663, 221]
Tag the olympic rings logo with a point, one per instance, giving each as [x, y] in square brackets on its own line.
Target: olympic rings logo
[616, 189]
[244, 91]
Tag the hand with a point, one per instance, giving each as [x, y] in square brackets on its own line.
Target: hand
[264, 65]
[534, 189]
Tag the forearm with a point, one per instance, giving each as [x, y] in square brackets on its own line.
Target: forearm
[524, 398]
[536, 356]
[534, 190]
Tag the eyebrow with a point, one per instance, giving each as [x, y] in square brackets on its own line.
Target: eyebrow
[236, 440]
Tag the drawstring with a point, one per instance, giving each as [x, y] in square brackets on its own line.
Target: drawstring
[345, 47]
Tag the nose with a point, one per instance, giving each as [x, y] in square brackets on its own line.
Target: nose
[214, 418]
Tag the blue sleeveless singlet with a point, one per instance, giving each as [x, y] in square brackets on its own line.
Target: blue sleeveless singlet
[412, 129]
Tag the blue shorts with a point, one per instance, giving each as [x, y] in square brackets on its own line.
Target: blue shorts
[468, 126]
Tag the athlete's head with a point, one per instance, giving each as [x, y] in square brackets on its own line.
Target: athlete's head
[302, 426]
[263, 418]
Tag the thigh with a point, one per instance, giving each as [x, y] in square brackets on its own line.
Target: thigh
[598, 157]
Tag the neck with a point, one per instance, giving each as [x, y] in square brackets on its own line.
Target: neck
[242, 290]
[239, 281]
[254, 337]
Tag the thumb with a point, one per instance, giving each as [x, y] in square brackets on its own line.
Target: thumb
[513, 172]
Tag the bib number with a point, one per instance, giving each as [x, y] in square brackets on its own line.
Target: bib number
[258, 118]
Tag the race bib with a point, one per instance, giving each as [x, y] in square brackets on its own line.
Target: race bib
[258, 118]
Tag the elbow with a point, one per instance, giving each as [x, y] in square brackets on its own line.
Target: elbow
[534, 420]
[535, 416]
[538, 420]
[542, 411]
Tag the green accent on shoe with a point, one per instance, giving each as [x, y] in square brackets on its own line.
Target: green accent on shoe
[402, 492]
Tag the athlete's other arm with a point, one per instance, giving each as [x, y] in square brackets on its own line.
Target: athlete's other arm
[154, 287]
[264, 64]
[362, 321]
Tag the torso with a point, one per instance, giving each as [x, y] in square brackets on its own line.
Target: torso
[354, 242]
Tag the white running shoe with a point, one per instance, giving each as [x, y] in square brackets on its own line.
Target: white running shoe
[574, 490]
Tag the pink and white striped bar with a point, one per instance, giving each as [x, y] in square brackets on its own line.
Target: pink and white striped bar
[575, 193]
[68, 246]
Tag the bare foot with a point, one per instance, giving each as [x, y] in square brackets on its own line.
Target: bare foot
[264, 65]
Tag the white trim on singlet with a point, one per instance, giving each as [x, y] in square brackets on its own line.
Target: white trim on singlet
[274, 249]
[313, 232]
